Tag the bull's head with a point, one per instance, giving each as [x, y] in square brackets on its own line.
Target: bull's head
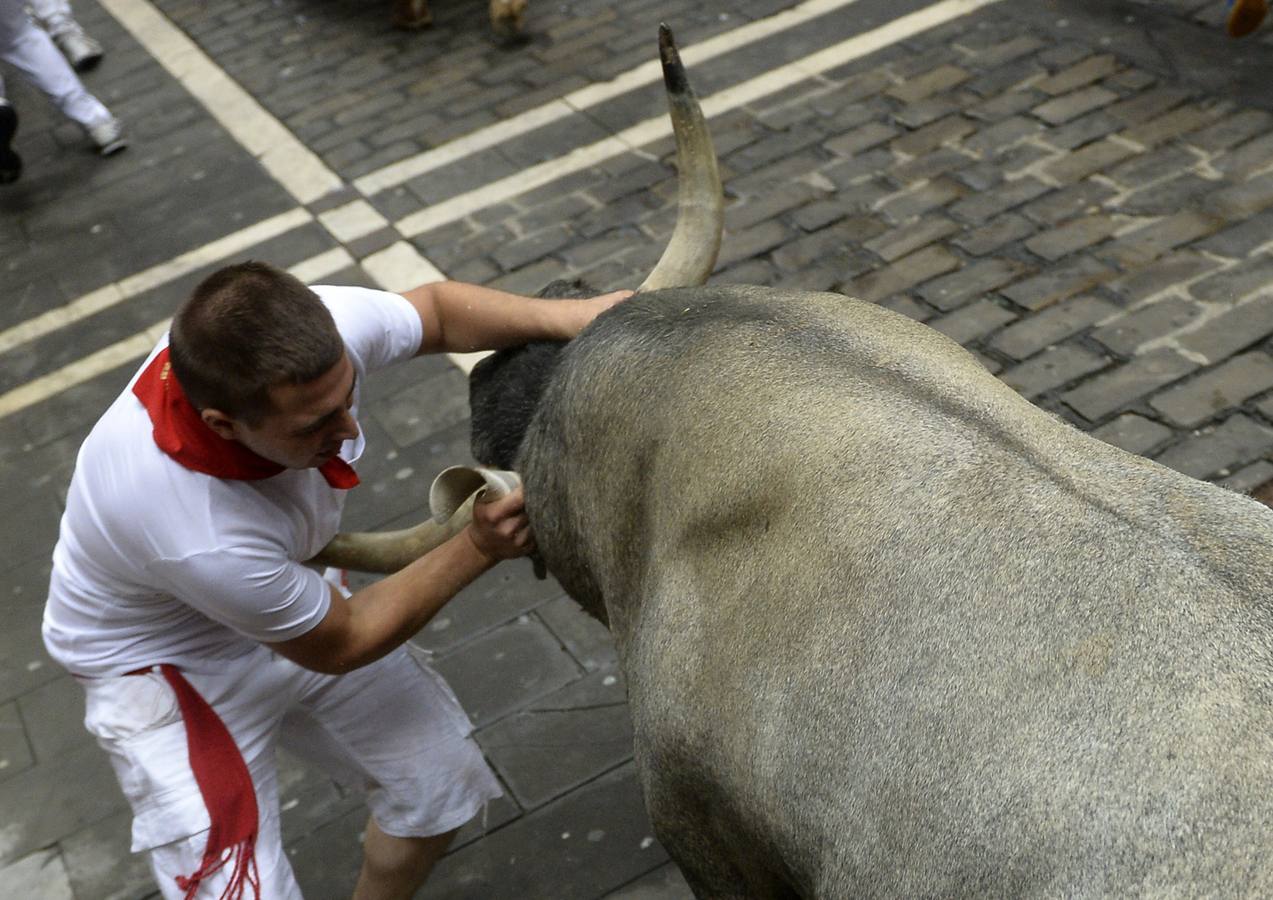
[504, 388]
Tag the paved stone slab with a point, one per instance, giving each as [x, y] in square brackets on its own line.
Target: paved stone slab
[1216, 390]
[1122, 386]
[100, 865]
[664, 883]
[1133, 433]
[1053, 368]
[1125, 333]
[48, 801]
[585, 845]
[502, 671]
[1237, 441]
[40, 875]
[565, 740]
[1051, 325]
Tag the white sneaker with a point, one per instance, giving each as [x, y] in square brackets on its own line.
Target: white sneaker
[80, 50]
[107, 136]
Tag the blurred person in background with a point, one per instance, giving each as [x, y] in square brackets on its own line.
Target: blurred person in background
[32, 52]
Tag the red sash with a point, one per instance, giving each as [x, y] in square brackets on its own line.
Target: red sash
[180, 432]
[228, 794]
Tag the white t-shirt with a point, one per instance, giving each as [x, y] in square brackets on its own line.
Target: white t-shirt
[159, 563]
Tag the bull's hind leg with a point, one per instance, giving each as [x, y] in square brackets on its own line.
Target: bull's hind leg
[411, 14]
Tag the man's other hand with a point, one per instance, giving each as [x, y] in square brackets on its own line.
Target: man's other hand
[500, 529]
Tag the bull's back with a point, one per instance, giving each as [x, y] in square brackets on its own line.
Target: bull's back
[968, 647]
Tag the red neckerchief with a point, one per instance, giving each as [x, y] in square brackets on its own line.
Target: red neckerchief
[182, 434]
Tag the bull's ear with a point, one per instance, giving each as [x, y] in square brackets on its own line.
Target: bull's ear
[691, 252]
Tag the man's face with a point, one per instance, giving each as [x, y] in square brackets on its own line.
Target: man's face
[308, 422]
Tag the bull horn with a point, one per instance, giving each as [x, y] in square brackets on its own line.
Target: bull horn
[691, 252]
[451, 499]
[385, 552]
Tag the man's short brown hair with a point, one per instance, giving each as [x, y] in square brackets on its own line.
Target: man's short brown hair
[245, 329]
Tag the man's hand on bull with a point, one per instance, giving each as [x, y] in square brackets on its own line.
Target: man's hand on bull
[500, 529]
[584, 311]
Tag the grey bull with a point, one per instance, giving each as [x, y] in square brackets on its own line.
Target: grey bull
[888, 629]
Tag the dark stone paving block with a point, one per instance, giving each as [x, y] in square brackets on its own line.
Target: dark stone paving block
[903, 274]
[1077, 199]
[1053, 368]
[1230, 286]
[497, 597]
[28, 531]
[1164, 199]
[581, 847]
[664, 883]
[1075, 235]
[327, 861]
[1050, 326]
[1133, 433]
[1241, 126]
[54, 718]
[502, 671]
[1225, 387]
[395, 483]
[1124, 334]
[1248, 478]
[77, 408]
[1239, 440]
[584, 637]
[23, 663]
[979, 208]
[498, 813]
[956, 289]
[41, 874]
[100, 864]
[47, 802]
[546, 751]
[973, 321]
[1161, 275]
[424, 408]
[1236, 329]
[994, 234]
[15, 749]
[1102, 395]
[1058, 283]
[898, 242]
[1240, 240]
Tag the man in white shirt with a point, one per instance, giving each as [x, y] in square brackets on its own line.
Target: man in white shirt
[181, 600]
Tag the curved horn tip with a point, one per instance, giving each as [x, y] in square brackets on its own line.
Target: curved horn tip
[674, 76]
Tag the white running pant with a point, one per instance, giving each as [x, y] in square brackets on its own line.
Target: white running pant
[54, 15]
[29, 50]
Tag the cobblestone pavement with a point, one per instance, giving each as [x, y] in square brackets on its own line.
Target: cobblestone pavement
[1079, 191]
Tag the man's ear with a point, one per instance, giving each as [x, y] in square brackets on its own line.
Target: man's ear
[219, 422]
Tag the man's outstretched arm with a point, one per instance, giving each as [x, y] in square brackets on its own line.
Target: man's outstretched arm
[462, 318]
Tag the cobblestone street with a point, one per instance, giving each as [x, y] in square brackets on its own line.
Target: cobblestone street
[1078, 191]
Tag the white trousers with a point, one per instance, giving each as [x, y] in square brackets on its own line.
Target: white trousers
[54, 15]
[29, 50]
[392, 728]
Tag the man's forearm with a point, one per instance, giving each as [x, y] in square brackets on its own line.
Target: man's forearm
[387, 613]
[467, 317]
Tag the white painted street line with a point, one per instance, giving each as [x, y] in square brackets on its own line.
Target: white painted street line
[138, 345]
[654, 129]
[155, 276]
[592, 95]
[291, 163]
